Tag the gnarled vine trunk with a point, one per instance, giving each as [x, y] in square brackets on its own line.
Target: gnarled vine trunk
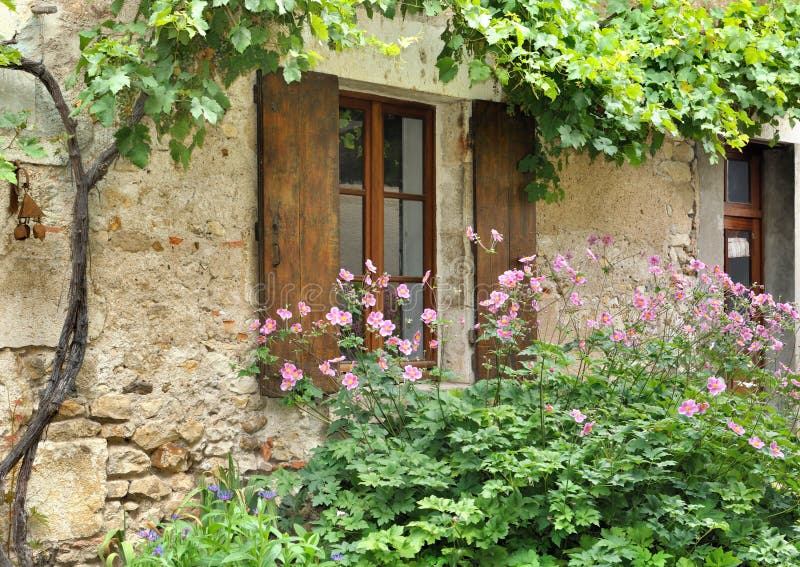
[74, 333]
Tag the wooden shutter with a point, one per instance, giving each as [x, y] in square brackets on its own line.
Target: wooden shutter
[500, 141]
[299, 221]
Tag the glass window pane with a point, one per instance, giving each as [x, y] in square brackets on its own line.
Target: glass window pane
[738, 181]
[351, 233]
[739, 255]
[402, 237]
[351, 148]
[406, 317]
[402, 154]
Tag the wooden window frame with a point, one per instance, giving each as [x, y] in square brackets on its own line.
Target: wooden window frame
[745, 216]
[374, 195]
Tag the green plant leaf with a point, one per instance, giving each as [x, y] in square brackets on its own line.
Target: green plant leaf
[240, 38]
[133, 143]
[31, 147]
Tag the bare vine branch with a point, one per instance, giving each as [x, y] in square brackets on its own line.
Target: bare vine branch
[72, 343]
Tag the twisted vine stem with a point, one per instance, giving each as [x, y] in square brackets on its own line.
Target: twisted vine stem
[72, 342]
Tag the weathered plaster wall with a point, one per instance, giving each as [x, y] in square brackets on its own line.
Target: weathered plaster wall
[647, 209]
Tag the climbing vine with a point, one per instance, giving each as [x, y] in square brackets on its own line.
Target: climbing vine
[614, 82]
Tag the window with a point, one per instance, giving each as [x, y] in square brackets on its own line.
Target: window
[742, 223]
[386, 199]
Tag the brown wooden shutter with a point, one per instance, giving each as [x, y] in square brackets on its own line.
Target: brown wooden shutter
[500, 141]
[299, 224]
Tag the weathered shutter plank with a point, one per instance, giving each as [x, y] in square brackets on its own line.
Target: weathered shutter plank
[500, 141]
[300, 144]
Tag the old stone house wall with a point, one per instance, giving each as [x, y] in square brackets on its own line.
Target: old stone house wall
[173, 276]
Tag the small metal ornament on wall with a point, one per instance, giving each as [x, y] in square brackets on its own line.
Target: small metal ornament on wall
[29, 212]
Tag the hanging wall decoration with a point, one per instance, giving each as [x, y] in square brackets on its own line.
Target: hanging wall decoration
[29, 212]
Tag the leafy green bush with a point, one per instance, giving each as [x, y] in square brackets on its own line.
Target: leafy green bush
[643, 431]
[229, 522]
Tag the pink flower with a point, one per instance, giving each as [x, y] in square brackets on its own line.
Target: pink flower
[591, 255]
[350, 381]
[402, 291]
[654, 260]
[696, 265]
[284, 314]
[618, 336]
[290, 374]
[338, 317]
[527, 259]
[755, 442]
[386, 328]
[426, 277]
[303, 309]
[374, 319]
[393, 341]
[383, 281]
[605, 318]
[559, 263]
[606, 240]
[268, 327]
[411, 373]
[577, 416]
[505, 333]
[368, 300]
[345, 275]
[592, 240]
[255, 324]
[297, 328]
[548, 408]
[735, 427]
[509, 278]
[405, 347]
[496, 236]
[575, 299]
[433, 344]
[715, 385]
[775, 451]
[471, 234]
[383, 364]
[326, 369]
[592, 324]
[428, 316]
[370, 266]
[702, 407]
[587, 428]
[688, 408]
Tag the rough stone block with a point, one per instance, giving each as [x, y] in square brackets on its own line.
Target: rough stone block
[153, 435]
[117, 431]
[68, 487]
[171, 457]
[244, 385]
[150, 487]
[124, 459]
[116, 488]
[191, 431]
[254, 423]
[71, 407]
[113, 406]
[149, 408]
[72, 429]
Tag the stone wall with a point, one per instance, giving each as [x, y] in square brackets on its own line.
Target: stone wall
[172, 279]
